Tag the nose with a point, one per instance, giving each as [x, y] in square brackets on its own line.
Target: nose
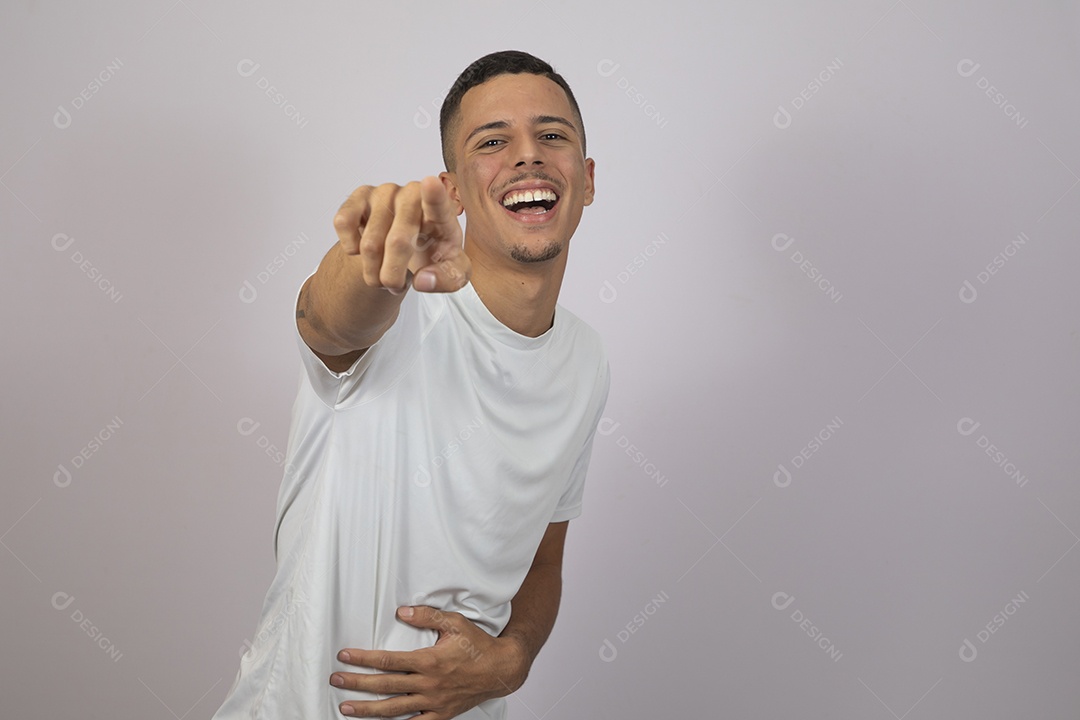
[529, 153]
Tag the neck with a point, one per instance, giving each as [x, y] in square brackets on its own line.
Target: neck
[521, 296]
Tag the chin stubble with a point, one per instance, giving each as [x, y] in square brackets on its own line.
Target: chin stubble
[522, 254]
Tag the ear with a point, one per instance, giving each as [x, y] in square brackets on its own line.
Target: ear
[590, 169]
[450, 183]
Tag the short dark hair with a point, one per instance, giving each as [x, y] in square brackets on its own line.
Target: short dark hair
[504, 62]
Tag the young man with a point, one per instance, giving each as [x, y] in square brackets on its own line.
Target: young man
[441, 437]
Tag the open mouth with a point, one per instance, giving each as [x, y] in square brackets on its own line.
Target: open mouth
[535, 201]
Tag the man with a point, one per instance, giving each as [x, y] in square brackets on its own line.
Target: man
[440, 437]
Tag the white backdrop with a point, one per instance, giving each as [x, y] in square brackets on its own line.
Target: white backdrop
[832, 255]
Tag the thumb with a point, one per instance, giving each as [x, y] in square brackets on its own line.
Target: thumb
[449, 274]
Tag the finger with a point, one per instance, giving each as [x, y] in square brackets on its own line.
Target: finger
[425, 616]
[448, 274]
[382, 683]
[387, 660]
[391, 707]
[400, 239]
[439, 217]
[349, 219]
[374, 235]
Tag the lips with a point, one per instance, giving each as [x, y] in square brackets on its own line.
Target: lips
[531, 202]
[534, 217]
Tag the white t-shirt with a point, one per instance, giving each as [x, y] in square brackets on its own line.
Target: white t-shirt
[426, 474]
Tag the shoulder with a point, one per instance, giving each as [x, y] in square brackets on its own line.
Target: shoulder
[583, 336]
[585, 347]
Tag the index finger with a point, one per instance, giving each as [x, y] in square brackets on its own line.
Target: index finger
[435, 202]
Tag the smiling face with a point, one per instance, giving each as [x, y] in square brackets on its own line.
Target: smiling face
[520, 173]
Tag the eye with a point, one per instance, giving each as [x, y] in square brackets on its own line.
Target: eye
[552, 136]
[489, 143]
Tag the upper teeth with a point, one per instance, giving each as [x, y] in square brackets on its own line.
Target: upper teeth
[520, 196]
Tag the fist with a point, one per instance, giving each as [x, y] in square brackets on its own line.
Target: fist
[404, 235]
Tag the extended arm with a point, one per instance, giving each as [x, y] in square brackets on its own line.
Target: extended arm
[386, 234]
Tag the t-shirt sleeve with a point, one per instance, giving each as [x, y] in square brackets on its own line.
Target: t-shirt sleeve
[379, 366]
[569, 506]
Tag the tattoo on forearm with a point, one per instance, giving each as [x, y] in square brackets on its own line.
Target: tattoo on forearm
[308, 314]
[299, 305]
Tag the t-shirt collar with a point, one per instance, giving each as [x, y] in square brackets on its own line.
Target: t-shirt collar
[490, 324]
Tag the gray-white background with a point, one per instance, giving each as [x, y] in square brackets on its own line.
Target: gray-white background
[832, 254]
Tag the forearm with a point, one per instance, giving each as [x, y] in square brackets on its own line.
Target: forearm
[337, 312]
[532, 614]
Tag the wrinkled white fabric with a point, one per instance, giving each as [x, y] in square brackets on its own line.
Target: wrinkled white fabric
[426, 474]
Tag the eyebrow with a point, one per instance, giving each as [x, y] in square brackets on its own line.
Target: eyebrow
[536, 120]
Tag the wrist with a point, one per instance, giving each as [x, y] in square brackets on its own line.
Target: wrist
[515, 663]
